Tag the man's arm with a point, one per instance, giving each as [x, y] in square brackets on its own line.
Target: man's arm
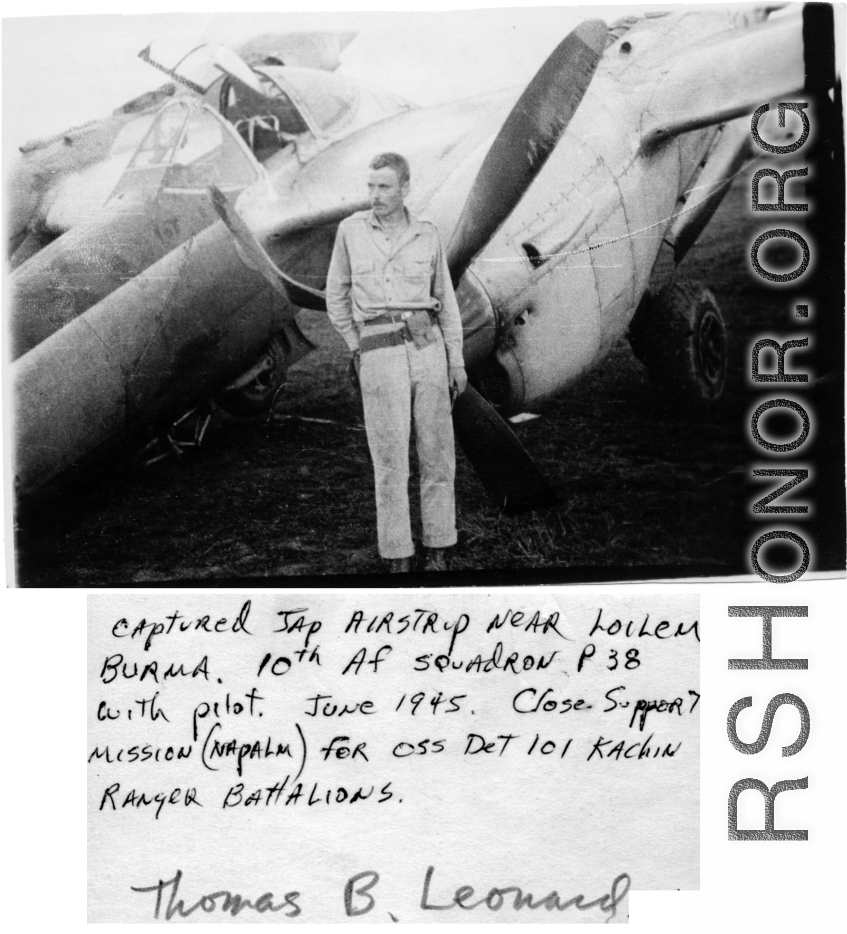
[450, 321]
[339, 306]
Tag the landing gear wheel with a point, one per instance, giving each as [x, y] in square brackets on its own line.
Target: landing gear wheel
[254, 393]
[680, 337]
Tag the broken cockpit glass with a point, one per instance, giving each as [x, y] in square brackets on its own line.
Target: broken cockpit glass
[266, 123]
[188, 149]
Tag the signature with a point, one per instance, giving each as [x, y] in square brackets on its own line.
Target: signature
[514, 897]
[224, 901]
[464, 897]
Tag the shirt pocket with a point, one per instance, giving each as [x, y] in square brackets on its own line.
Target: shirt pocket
[414, 280]
[361, 266]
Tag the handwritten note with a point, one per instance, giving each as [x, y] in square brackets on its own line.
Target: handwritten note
[424, 757]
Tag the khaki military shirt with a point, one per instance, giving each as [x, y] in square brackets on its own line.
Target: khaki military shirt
[369, 275]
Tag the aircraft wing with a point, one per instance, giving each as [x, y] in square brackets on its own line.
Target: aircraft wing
[63, 180]
[725, 78]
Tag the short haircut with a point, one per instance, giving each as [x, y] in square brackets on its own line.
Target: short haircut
[392, 160]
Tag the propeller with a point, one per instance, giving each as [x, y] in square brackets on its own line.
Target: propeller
[530, 133]
[507, 472]
[527, 138]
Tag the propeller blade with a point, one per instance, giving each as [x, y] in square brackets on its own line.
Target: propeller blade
[257, 258]
[527, 138]
[507, 472]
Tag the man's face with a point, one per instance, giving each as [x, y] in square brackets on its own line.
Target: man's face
[385, 192]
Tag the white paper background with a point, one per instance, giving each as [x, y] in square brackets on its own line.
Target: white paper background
[539, 821]
[781, 887]
[744, 886]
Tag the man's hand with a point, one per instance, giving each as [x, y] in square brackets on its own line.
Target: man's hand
[457, 379]
[354, 368]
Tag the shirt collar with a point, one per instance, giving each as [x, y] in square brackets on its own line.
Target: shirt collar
[373, 220]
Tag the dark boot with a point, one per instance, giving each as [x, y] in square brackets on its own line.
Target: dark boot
[436, 559]
[399, 565]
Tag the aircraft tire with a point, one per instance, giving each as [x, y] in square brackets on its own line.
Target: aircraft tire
[256, 397]
[680, 336]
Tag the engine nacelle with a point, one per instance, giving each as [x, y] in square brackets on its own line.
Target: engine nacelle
[549, 338]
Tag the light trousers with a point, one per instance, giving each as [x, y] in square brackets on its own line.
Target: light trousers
[400, 383]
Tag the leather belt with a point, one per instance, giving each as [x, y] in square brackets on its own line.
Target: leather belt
[388, 317]
[398, 317]
[393, 338]
[388, 339]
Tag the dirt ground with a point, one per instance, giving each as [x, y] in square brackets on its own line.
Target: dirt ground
[647, 491]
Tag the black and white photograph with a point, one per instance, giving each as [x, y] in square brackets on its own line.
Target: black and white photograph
[529, 295]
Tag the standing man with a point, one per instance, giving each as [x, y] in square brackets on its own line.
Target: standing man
[390, 297]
